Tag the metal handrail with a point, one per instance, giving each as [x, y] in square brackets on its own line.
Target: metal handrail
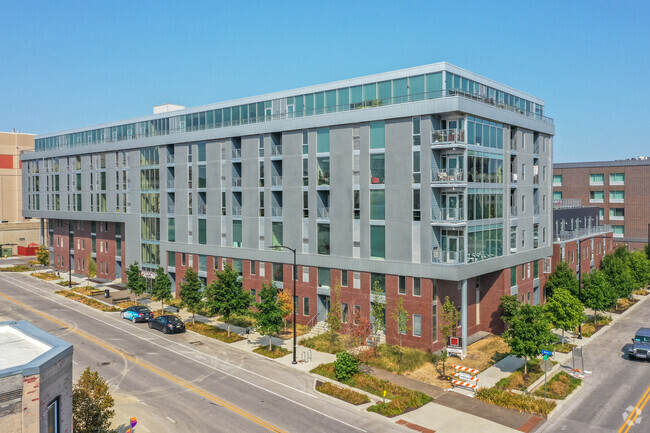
[310, 327]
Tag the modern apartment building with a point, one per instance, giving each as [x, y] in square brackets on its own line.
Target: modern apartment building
[417, 184]
[579, 238]
[618, 188]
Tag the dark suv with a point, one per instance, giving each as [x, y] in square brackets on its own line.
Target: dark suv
[641, 345]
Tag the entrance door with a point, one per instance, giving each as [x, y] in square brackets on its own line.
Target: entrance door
[452, 245]
[323, 307]
[452, 205]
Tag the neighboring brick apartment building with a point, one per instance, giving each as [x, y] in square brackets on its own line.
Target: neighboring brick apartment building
[35, 380]
[620, 189]
[416, 184]
[14, 228]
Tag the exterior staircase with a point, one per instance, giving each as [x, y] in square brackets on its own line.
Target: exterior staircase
[318, 329]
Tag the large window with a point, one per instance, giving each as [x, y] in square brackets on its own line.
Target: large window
[617, 196]
[417, 325]
[377, 135]
[617, 178]
[323, 171]
[596, 196]
[557, 195]
[203, 232]
[277, 229]
[485, 167]
[323, 140]
[484, 133]
[377, 168]
[377, 242]
[557, 180]
[596, 179]
[619, 231]
[484, 203]
[171, 230]
[484, 242]
[324, 239]
[53, 417]
[324, 276]
[616, 213]
[377, 204]
[236, 233]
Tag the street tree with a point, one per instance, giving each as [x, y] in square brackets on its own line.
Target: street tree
[564, 310]
[647, 250]
[134, 280]
[161, 290]
[529, 333]
[449, 318]
[640, 266]
[269, 312]
[508, 308]
[190, 293]
[333, 320]
[226, 296]
[43, 255]
[597, 294]
[361, 328]
[378, 309]
[92, 404]
[91, 269]
[618, 274]
[564, 277]
[285, 299]
[400, 317]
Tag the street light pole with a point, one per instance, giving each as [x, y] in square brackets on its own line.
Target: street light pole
[295, 271]
[580, 281]
[70, 263]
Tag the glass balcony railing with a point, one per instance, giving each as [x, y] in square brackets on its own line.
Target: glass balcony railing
[236, 153]
[236, 211]
[323, 212]
[276, 150]
[513, 211]
[236, 181]
[276, 180]
[170, 183]
[444, 136]
[276, 211]
[447, 256]
[513, 144]
[451, 214]
[202, 210]
[450, 175]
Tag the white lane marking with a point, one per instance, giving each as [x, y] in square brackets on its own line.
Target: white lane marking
[170, 419]
[93, 317]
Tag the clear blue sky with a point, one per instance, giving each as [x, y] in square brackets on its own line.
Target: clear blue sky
[67, 64]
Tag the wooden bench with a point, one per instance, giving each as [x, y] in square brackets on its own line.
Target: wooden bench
[96, 292]
[118, 300]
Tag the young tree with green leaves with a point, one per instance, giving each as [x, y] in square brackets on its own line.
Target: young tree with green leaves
[161, 290]
[334, 322]
[640, 267]
[529, 333]
[508, 308]
[564, 310]
[91, 269]
[564, 277]
[449, 318]
[135, 281]
[269, 312]
[190, 293]
[226, 296]
[92, 404]
[597, 294]
[618, 274]
[378, 310]
[43, 255]
[400, 317]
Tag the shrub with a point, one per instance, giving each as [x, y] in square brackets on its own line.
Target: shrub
[342, 393]
[520, 402]
[345, 366]
[560, 386]
[323, 343]
[213, 332]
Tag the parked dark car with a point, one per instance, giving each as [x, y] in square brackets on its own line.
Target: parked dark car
[640, 345]
[137, 313]
[167, 324]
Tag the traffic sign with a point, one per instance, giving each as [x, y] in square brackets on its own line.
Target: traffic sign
[547, 352]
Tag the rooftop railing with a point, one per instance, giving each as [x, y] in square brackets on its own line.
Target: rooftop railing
[108, 138]
[567, 203]
[567, 235]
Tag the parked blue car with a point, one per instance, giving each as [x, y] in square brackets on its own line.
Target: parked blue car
[137, 313]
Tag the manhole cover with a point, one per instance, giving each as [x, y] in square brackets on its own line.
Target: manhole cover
[198, 343]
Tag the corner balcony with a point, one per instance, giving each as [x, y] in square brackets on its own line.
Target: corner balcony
[454, 216]
[448, 138]
[450, 176]
[452, 257]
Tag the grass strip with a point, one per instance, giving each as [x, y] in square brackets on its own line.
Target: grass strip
[275, 352]
[402, 399]
[559, 387]
[213, 332]
[46, 276]
[520, 402]
[341, 393]
[16, 268]
[87, 301]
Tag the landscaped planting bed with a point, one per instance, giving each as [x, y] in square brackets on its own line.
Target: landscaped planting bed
[16, 268]
[84, 300]
[275, 352]
[213, 332]
[559, 387]
[518, 380]
[341, 393]
[520, 402]
[47, 276]
[401, 399]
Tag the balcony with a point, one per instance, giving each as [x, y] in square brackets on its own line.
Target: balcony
[236, 153]
[202, 210]
[323, 212]
[513, 211]
[447, 256]
[567, 203]
[236, 211]
[236, 181]
[451, 175]
[276, 211]
[446, 136]
[170, 183]
[451, 214]
[536, 209]
[170, 209]
[567, 235]
[276, 150]
[170, 159]
[276, 180]
[513, 144]
[513, 177]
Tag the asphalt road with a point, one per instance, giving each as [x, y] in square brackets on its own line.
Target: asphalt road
[182, 382]
[615, 387]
